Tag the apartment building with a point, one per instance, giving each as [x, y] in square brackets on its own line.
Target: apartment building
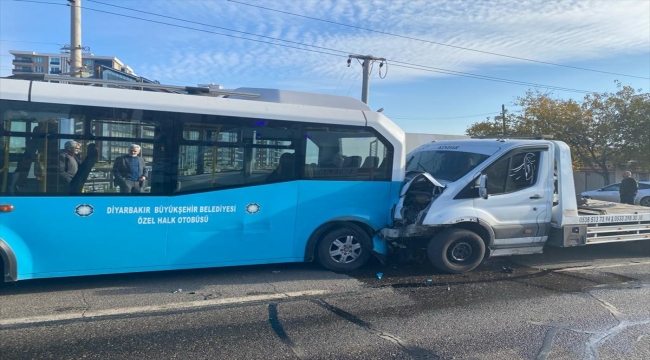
[31, 62]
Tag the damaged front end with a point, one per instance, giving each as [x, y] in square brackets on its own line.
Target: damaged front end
[419, 191]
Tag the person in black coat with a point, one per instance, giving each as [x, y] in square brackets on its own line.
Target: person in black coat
[68, 165]
[79, 179]
[130, 171]
[629, 188]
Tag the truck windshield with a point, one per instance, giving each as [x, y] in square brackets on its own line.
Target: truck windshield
[444, 165]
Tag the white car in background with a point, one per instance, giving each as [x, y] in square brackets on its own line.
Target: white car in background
[610, 193]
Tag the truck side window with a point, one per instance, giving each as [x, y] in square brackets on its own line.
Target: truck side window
[523, 171]
[513, 173]
[497, 174]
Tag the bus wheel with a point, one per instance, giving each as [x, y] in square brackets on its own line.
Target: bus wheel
[342, 250]
[456, 251]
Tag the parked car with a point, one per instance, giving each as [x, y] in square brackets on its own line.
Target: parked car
[610, 193]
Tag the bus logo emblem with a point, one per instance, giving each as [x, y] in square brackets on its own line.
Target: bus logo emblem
[253, 208]
[84, 210]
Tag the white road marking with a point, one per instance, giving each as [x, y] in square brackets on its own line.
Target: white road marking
[158, 308]
[590, 267]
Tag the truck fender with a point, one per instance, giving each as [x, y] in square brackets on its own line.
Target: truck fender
[479, 226]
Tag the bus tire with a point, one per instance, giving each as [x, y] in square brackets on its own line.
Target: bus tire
[342, 249]
[456, 250]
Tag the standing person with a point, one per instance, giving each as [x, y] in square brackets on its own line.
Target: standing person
[629, 188]
[68, 164]
[80, 178]
[130, 172]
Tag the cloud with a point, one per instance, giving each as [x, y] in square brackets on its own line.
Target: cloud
[550, 31]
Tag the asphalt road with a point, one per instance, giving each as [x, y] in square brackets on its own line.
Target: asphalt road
[579, 303]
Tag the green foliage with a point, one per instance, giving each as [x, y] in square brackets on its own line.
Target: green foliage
[604, 128]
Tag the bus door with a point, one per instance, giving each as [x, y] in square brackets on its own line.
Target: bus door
[234, 200]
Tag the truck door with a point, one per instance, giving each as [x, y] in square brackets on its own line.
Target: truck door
[520, 193]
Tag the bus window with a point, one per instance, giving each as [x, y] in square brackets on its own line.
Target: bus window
[37, 136]
[345, 155]
[218, 156]
[35, 159]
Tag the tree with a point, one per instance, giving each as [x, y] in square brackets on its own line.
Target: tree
[603, 129]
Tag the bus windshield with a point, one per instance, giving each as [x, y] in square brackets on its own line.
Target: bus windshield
[444, 165]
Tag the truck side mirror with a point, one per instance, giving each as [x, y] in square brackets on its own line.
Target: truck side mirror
[482, 187]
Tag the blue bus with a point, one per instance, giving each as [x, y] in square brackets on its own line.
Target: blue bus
[96, 179]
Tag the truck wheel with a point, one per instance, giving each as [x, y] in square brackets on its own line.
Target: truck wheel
[456, 250]
[342, 249]
[645, 201]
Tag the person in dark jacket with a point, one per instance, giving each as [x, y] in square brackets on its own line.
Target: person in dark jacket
[130, 172]
[284, 171]
[80, 178]
[629, 188]
[68, 164]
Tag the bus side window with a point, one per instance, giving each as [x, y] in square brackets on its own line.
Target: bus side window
[346, 154]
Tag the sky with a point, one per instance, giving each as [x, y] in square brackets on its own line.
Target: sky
[449, 65]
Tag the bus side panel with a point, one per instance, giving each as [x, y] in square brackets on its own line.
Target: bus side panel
[322, 201]
[84, 235]
[235, 226]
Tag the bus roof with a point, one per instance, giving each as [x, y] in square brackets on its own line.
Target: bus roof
[269, 103]
[301, 98]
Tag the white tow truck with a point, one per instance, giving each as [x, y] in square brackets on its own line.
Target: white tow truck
[467, 200]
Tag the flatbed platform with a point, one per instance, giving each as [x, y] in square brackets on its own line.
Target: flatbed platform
[597, 207]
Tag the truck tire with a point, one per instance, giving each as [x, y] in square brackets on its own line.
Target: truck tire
[342, 249]
[456, 251]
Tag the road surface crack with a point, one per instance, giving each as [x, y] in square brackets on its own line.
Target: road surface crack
[83, 298]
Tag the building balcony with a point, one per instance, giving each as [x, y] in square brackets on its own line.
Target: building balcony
[23, 61]
[22, 70]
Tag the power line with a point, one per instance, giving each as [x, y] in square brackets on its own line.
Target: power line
[405, 65]
[42, 2]
[438, 43]
[33, 42]
[484, 77]
[413, 66]
[214, 26]
[439, 118]
[191, 28]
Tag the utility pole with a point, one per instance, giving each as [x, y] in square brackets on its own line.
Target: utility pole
[366, 72]
[75, 38]
[503, 118]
